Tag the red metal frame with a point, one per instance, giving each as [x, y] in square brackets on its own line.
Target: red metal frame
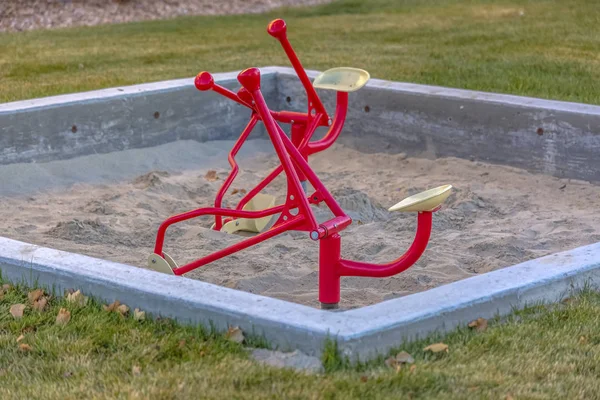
[295, 212]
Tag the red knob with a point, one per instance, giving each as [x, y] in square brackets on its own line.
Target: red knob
[277, 28]
[245, 95]
[250, 79]
[204, 81]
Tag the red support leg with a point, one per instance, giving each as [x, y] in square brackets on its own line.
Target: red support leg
[329, 276]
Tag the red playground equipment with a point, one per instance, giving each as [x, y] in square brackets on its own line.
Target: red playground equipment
[257, 212]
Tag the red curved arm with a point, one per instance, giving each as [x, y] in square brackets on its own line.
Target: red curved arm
[357, 268]
[278, 29]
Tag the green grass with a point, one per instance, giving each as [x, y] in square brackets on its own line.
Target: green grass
[549, 51]
[541, 352]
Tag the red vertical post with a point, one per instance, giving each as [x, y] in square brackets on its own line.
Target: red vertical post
[329, 277]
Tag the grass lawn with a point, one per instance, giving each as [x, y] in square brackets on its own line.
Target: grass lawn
[537, 353]
[544, 48]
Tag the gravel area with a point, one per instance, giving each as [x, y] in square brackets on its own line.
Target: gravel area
[22, 15]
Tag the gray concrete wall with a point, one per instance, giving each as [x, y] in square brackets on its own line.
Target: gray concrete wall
[556, 138]
[115, 119]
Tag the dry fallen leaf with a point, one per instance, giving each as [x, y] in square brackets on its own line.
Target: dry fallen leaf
[25, 347]
[20, 338]
[16, 310]
[35, 295]
[364, 378]
[112, 307]
[436, 348]
[404, 358]
[211, 176]
[139, 315]
[391, 362]
[243, 191]
[509, 397]
[122, 309]
[77, 298]
[6, 287]
[136, 370]
[63, 317]
[235, 334]
[480, 324]
[181, 344]
[583, 340]
[1, 294]
[413, 368]
[40, 305]
[235, 191]
[28, 329]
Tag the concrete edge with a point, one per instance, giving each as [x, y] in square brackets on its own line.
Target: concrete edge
[439, 91]
[116, 92]
[361, 333]
[546, 279]
[284, 324]
[464, 94]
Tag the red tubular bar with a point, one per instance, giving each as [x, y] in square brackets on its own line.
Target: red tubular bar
[341, 110]
[234, 168]
[414, 252]
[278, 30]
[332, 267]
[224, 212]
[244, 244]
[250, 79]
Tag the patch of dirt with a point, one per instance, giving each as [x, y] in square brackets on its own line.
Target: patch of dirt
[23, 15]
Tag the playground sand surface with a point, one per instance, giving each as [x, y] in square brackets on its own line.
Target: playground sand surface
[496, 217]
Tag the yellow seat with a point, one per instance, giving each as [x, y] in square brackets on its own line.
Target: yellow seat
[165, 265]
[343, 79]
[428, 200]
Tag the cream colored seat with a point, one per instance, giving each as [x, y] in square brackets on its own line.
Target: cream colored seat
[259, 202]
[342, 79]
[428, 200]
[165, 265]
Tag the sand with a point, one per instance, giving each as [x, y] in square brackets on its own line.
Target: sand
[497, 216]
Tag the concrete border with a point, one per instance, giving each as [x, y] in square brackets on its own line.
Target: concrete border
[556, 138]
[551, 137]
[361, 333]
[115, 119]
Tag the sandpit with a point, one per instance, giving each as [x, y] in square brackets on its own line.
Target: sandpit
[497, 216]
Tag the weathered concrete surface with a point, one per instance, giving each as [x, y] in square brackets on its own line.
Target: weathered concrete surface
[361, 333]
[552, 137]
[117, 119]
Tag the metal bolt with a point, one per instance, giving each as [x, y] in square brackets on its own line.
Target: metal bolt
[237, 223]
[154, 261]
[314, 235]
[292, 197]
[329, 122]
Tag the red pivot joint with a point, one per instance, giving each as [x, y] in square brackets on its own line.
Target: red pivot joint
[245, 95]
[277, 28]
[250, 79]
[204, 81]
